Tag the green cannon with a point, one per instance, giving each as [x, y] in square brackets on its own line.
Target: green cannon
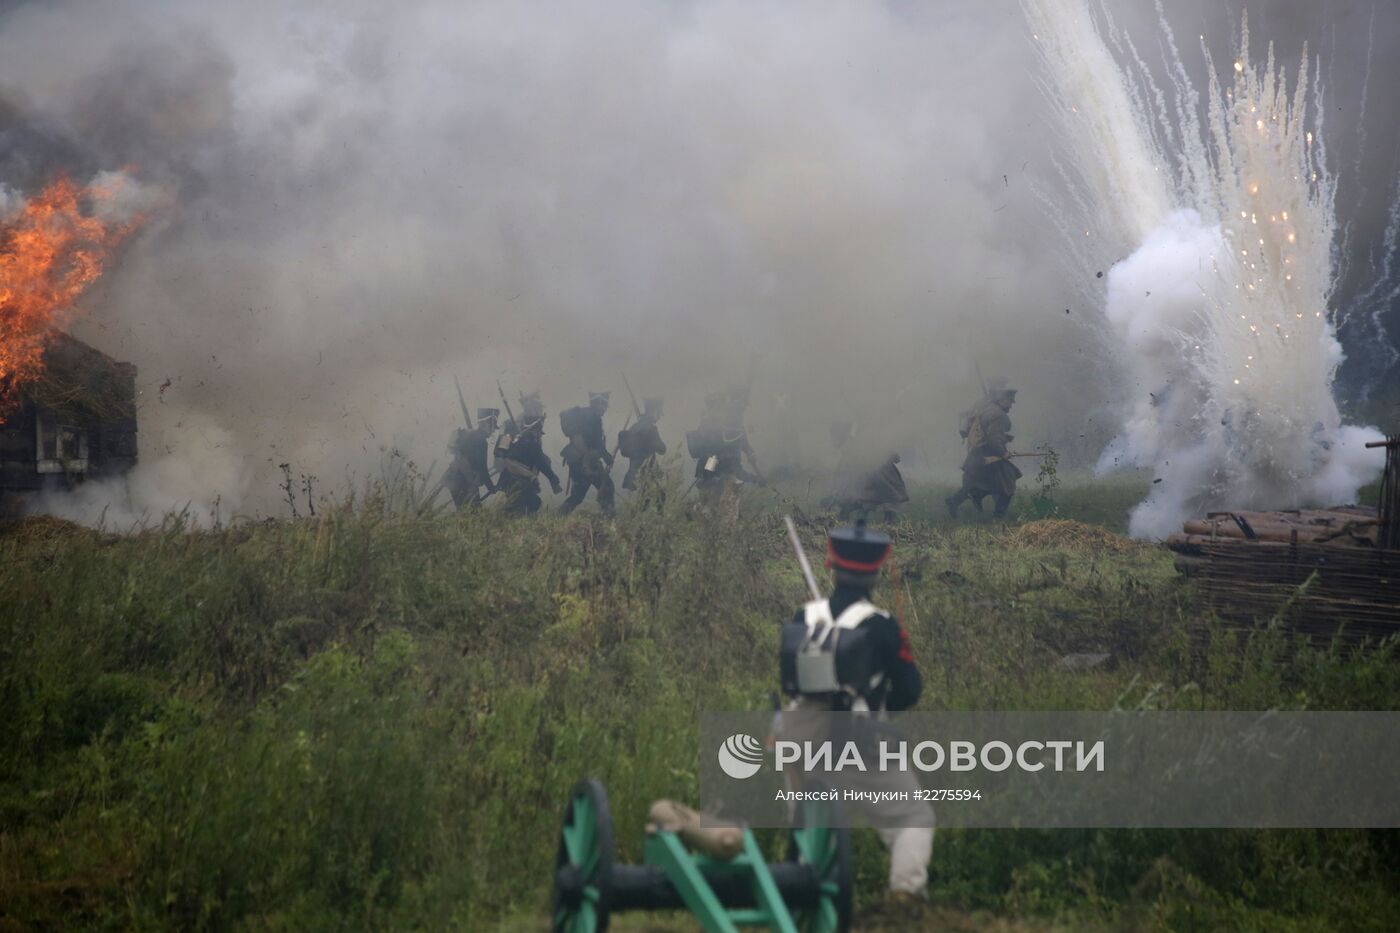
[809, 892]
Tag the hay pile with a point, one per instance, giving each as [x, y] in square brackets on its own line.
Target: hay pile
[1060, 532]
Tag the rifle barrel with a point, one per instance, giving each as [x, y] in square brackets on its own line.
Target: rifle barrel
[802, 558]
[506, 403]
[636, 409]
[461, 400]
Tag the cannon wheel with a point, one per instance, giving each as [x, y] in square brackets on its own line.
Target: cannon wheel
[585, 853]
[817, 840]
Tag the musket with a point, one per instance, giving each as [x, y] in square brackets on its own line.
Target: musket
[802, 558]
[1010, 456]
[506, 403]
[636, 409]
[978, 370]
[625, 425]
[461, 400]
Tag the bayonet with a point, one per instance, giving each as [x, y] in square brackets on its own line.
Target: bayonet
[1010, 456]
[461, 400]
[636, 409]
[506, 403]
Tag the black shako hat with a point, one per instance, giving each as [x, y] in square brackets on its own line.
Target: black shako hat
[857, 549]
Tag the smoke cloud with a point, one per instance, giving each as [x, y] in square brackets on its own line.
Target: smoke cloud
[1221, 310]
[1210, 447]
[359, 200]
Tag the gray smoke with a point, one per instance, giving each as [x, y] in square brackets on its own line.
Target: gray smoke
[368, 198]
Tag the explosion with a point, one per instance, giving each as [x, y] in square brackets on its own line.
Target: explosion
[51, 250]
[1219, 309]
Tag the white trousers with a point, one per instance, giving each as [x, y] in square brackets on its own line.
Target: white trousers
[910, 849]
[910, 840]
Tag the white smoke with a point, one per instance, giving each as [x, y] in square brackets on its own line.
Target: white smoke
[122, 199]
[202, 480]
[1221, 310]
[11, 202]
[374, 198]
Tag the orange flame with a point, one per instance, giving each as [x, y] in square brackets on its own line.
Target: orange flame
[49, 254]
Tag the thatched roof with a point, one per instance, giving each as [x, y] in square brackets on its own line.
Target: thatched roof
[83, 384]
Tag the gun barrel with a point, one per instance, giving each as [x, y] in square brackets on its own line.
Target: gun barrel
[636, 409]
[506, 403]
[802, 558]
[462, 400]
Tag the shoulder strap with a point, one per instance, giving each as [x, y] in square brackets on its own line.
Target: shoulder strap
[817, 615]
[856, 613]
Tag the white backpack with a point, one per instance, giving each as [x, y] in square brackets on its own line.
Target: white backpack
[816, 658]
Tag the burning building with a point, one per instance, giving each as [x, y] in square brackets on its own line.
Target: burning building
[73, 423]
[67, 411]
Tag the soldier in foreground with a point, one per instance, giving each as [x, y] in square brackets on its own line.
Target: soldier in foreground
[521, 459]
[988, 470]
[587, 455]
[641, 444]
[468, 472]
[841, 655]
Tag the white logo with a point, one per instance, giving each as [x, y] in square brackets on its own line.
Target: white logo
[741, 756]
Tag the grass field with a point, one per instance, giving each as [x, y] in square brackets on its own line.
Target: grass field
[370, 719]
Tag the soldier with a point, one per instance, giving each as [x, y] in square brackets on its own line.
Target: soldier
[988, 470]
[521, 459]
[531, 406]
[704, 442]
[641, 444]
[587, 454]
[845, 655]
[468, 471]
[721, 443]
[857, 489]
[879, 489]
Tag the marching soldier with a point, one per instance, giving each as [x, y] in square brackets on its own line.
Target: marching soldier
[858, 489]
[880, 489]
[988, 470]
[845, 655]
[641, 444]
[468, 471]
[704, 442]
[531, 406]
[721, 443]
[521, 460]
[587, 455]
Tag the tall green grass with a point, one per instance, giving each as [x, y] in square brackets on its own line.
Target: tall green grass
[370, 719]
